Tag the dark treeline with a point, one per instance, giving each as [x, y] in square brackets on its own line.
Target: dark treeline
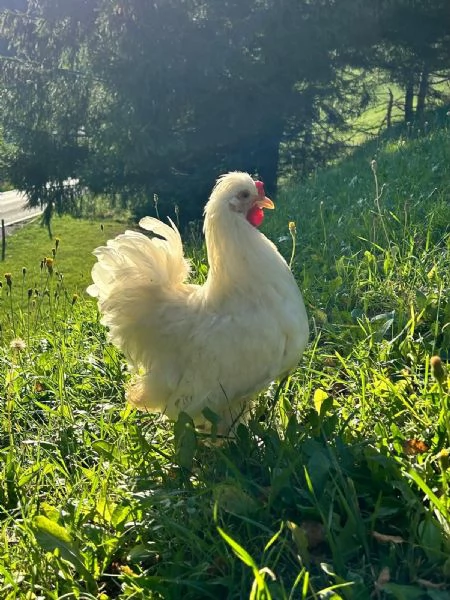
[136, 98]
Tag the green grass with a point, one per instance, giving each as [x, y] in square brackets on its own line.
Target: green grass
[339, 485]
[77, 238]
[373, 119]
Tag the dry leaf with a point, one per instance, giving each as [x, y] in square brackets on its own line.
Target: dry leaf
[383, 577]
[381, 537]
[431, 584]
[414, 446]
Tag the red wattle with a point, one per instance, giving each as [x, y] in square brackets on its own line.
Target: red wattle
[255, 216]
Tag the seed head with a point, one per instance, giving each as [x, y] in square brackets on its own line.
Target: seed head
[373, 165]
[18, 345]
[30, 292]
[74, 298]
[24, 271]
[57, 240]
[292, 228]
[8, 278]
[438, 369]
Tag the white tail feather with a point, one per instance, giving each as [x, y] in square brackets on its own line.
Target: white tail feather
[134, 275]
[134, 256]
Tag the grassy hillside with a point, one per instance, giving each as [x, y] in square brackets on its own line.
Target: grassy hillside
[373, 119]
[75, 238]
[388, 202]
[339, 485]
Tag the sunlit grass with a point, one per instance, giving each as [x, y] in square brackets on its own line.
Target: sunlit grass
[373, 119]
[77, 238]
[339, 485]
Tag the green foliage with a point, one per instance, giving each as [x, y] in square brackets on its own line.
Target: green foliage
[415, 49]
[337, 487]
[124, 98]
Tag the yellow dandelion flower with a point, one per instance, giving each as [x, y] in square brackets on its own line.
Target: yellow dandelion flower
[126, 570]
[49, 264]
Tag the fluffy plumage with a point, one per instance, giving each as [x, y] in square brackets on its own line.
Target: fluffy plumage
[214, 345]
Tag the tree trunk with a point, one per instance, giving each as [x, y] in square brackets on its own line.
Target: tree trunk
[409, 99]
[260, 155]
[267, 162]
[389, 109]
[423, 91]
[3, 240]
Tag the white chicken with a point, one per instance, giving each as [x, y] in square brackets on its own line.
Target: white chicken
[203, 346]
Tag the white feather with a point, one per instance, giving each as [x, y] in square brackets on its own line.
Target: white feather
[215, 345]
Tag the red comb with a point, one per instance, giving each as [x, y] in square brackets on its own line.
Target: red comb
[260, 188]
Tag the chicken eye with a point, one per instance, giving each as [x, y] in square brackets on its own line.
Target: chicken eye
[245, 194]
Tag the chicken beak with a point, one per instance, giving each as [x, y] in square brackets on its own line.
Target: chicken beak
[265, 203]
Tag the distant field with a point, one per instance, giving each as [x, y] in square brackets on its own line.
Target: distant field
[373, 120]
[27, 246]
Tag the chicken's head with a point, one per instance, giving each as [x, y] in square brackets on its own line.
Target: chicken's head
[239, 194]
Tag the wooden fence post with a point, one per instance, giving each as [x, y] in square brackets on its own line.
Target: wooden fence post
[3, 240]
